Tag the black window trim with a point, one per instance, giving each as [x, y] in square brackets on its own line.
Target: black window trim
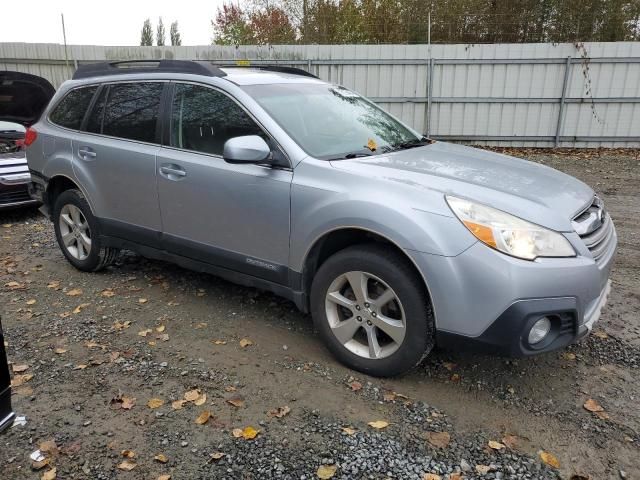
[169, 113]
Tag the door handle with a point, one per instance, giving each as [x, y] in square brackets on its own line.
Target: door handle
[86, 152]
[172, 171]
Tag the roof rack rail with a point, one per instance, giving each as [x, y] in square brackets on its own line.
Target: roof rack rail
[147, 66]
[280, 69]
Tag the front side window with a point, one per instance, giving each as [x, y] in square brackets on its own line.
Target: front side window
[330, 122]
[131, 111]
[203, 119]
[70, 112]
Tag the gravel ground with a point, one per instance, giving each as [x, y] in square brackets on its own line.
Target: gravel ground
[145, 370]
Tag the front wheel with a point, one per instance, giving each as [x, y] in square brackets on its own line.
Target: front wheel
[77, 233]
[372, 310]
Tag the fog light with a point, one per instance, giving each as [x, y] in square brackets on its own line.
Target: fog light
[539, 330]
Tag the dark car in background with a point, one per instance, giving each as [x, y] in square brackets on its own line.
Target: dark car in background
[6, 413]
[23, 97]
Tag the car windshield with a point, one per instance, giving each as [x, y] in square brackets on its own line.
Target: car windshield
[330, 122]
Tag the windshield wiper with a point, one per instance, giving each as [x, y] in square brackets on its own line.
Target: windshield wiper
[416, 142]
[351, 155]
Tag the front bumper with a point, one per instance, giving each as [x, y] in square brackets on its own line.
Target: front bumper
[485, 300]
[15, 195]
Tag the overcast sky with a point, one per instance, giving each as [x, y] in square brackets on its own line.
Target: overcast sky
[111, 22]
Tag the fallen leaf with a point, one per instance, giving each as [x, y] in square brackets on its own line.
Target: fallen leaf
[245, 342]
[128, 453]
[142, 300]
[160, 328]
[48, 446]
[15, 286]
[155, 403]
[178, 404]
[219, 342]
[483, 469]
[31, 302]
[569, 356]
[125, 403]
[21, 379]
[19, 368]
[145, 332]
[121, 325]
[349, 431]
[237, 401]
[200, 400]
[279, 412]
[601, 334]
[379, 424]
[108, 293]
[230, 388]
[511, 441]
[49, 474]
[602, 415]
[215, 456]
[431, 476]
[161, 457]
[164, 477]
[590, 405]
[237, 432]
[248, 433]
[74, 292]
[54, 284]
[82, 366]
[438, 439]
[355, 386]
[326, 471]
[127, 466]
[549, 459]
[60, 351]
[496, 445]
[203, 417]
[192, 395]
[164, 337]
[456, 476]
[80, 307]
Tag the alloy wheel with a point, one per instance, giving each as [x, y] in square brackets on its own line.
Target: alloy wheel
[75, 232]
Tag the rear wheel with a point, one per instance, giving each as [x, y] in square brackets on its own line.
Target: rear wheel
[77, 233]
[372, 310]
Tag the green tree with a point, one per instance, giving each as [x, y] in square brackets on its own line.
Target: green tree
[231, 26]
[146, 36]
[160, 33]
[174, 35]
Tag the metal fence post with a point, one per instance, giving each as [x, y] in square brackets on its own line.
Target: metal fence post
[429, 95]
[567, 69]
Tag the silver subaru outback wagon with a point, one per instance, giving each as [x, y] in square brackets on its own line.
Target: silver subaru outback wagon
[272, 178]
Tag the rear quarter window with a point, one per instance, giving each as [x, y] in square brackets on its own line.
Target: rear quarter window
[70, 112]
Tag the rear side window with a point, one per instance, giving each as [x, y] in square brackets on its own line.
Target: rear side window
[131, 111]
[94, 123]
[70, 111]
[203, 119]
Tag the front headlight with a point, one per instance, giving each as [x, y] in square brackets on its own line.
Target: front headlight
[509, 234]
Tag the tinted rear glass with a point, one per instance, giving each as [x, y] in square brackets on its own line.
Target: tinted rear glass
[94, 123]
[132, 111]
[70, 111]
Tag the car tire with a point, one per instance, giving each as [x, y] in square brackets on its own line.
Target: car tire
[76, 225]
[410, 308]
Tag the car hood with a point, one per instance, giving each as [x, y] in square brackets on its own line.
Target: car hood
[535, 192]
[23, 97]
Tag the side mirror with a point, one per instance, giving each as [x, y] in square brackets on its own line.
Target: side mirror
[247, 149]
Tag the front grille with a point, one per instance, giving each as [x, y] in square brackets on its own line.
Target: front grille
[14, 196]
[596, 230]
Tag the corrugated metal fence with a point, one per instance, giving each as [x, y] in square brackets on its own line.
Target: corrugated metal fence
[502, 94]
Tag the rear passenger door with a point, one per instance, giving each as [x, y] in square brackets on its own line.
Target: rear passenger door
[234, 216]
[115, 159]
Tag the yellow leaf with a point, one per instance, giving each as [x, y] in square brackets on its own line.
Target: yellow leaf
[245, 342]
[326, 471]
[161, 457]
[496, 445]
[379, 424]
[74, 292]
[178, 404]
[249, 433]
[590, 405]
[549, 459]
[438, 439]
[145, 332]
[155, 403]
[372, 145]
[192, 395]
[127, 466]
[200, 400]
[203, 417]
[160, 328]
[128, 453]
[80, 307]
[49, 474]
